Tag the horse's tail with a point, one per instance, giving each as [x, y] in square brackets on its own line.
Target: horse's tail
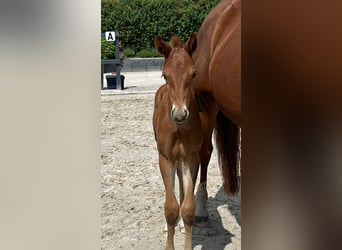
[227, 142]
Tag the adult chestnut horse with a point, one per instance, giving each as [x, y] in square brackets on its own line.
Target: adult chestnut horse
[178, 133]
[218, 82]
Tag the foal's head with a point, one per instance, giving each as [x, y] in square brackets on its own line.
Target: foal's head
[178, 72]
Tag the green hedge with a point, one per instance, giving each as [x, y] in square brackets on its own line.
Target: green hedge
[139, 21]
[107, 49]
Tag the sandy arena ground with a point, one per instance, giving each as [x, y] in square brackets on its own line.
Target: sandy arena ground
[132, 188]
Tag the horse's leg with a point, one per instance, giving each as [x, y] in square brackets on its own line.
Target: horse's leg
[180, 179]
[202, 214]
[181, 194]
[173, 188]
[189, 172]
[208, 119]
[171, 207]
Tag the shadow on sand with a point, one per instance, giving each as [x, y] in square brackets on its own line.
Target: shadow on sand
[215, 236]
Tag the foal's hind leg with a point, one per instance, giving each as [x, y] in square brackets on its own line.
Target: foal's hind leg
[171, 207]
[181, 194]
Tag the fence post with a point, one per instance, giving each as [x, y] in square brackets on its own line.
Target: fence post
[117, 56]
[117, 62]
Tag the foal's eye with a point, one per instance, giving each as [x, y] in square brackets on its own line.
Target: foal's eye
[164, 76]
[194, 74]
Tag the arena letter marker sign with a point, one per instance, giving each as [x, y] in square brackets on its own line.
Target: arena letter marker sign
[110, 36]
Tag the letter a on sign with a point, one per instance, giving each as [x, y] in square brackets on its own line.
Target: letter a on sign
[110, 36]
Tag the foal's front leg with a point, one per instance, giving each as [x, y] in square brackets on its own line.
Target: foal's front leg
[171, 207]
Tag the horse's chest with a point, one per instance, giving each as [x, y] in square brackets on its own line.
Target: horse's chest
[177, 147]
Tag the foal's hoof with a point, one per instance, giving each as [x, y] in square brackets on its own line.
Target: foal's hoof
[201, 221]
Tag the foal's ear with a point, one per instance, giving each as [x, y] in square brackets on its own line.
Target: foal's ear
[191, 44]
[162, 46]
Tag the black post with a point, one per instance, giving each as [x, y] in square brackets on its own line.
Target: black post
[117, 57]
[102, 72]
[102, 65]
[117, 62]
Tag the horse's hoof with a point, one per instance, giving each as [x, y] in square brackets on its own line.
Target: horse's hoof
[201, 221]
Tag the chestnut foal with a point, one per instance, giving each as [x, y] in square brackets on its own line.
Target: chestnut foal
[178, 133]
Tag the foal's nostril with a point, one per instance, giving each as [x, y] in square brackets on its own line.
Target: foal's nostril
[186, 113]
[173, 113]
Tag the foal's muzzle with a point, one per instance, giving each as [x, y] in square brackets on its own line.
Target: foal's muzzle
[180, 115]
